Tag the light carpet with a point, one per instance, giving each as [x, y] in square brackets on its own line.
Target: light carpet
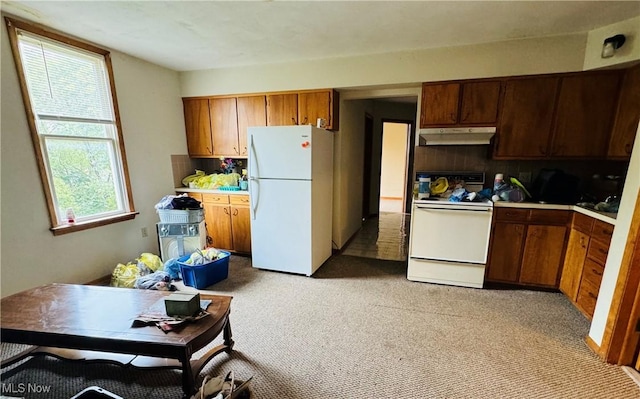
[359, 329]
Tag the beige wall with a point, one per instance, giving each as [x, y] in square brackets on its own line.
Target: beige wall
[394, 159]
[153, 129]
[514, 57]
[347, 171]
[630, 51]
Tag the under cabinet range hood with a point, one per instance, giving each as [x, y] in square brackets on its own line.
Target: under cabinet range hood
[456, 135]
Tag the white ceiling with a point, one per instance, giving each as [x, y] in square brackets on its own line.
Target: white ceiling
[192, 35]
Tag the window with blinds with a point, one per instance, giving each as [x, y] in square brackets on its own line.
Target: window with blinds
[77, 132]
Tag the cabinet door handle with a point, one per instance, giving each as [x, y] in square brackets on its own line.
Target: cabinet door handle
[606, 232]
[596, 272]
[226, 211]
[245, 151]
[602, 251]
[294, 121]
[542, 150]
[209, 150]
[466, 116]
[235, 212]
[627, 148]
[236, 150]
[452, 116]
[582, 242]
[304, 122]
[592, 296]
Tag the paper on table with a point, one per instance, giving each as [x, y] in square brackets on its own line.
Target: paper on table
[157, 314]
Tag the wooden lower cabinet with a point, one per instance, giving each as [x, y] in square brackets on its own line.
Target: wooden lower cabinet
[228, 221]
[585, 260]
[543, 255]
[573, 263]
[527, 247]
[240, 223]
[508, 240]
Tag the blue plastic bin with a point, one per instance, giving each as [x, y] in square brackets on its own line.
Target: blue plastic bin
[202, 276]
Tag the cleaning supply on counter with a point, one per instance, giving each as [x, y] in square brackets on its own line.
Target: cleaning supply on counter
[424, 187]
[498, 181]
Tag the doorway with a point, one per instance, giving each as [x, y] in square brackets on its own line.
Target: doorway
[394, 165]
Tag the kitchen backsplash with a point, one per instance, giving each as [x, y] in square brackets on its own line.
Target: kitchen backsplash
[477, 158]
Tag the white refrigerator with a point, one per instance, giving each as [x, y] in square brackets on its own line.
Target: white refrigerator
[291, 192]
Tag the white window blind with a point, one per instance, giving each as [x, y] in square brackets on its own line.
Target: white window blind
[74, 116]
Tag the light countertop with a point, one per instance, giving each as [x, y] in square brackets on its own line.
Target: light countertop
[607, 217]
[215, 191]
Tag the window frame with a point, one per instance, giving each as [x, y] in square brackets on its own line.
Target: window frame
[59, 227]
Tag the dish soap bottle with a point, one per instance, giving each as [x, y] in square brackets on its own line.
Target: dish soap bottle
[244, 182]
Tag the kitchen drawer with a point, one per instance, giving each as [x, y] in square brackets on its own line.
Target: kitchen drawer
[197, 196]
[582, 223]
[549, 216]
[511, 214]
[592, 272]
[215, 198]
[602, 231]
[587, 297]
[598, 251]
[239, 199]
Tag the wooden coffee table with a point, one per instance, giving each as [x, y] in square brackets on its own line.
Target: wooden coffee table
[61, 319]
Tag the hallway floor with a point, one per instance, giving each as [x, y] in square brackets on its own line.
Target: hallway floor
[382, 237]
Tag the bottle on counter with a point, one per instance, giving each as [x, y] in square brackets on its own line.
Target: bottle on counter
[498, 181]
[244, 180]
[424, 187]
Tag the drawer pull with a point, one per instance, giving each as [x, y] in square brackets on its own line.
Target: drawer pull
[592, 295]
[596, 272]
[607, 232]
[602, 251]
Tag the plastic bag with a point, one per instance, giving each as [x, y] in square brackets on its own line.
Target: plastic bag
[125, 275]
[173, 268]
[190, 178]
[159, 280]
[151, 261]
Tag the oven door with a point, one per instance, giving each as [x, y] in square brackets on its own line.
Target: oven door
[455, 233]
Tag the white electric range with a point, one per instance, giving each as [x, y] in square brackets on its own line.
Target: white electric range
[448, 241]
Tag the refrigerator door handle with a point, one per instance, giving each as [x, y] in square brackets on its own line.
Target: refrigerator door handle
[254, 188]
[254, 184]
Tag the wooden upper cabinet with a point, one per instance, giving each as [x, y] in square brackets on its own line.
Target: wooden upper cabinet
[252, 111]
[627, 117]
[440, 104]
[314, 105]
[465, 103]
[282, 109]
[480, 102]
[525, 124]
[197, 127]
[224, 126]
[584, 115]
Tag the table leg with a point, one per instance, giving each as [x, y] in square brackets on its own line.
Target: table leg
[188, 381]
[227, 337]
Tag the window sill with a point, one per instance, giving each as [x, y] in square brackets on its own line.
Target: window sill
[72, 228]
